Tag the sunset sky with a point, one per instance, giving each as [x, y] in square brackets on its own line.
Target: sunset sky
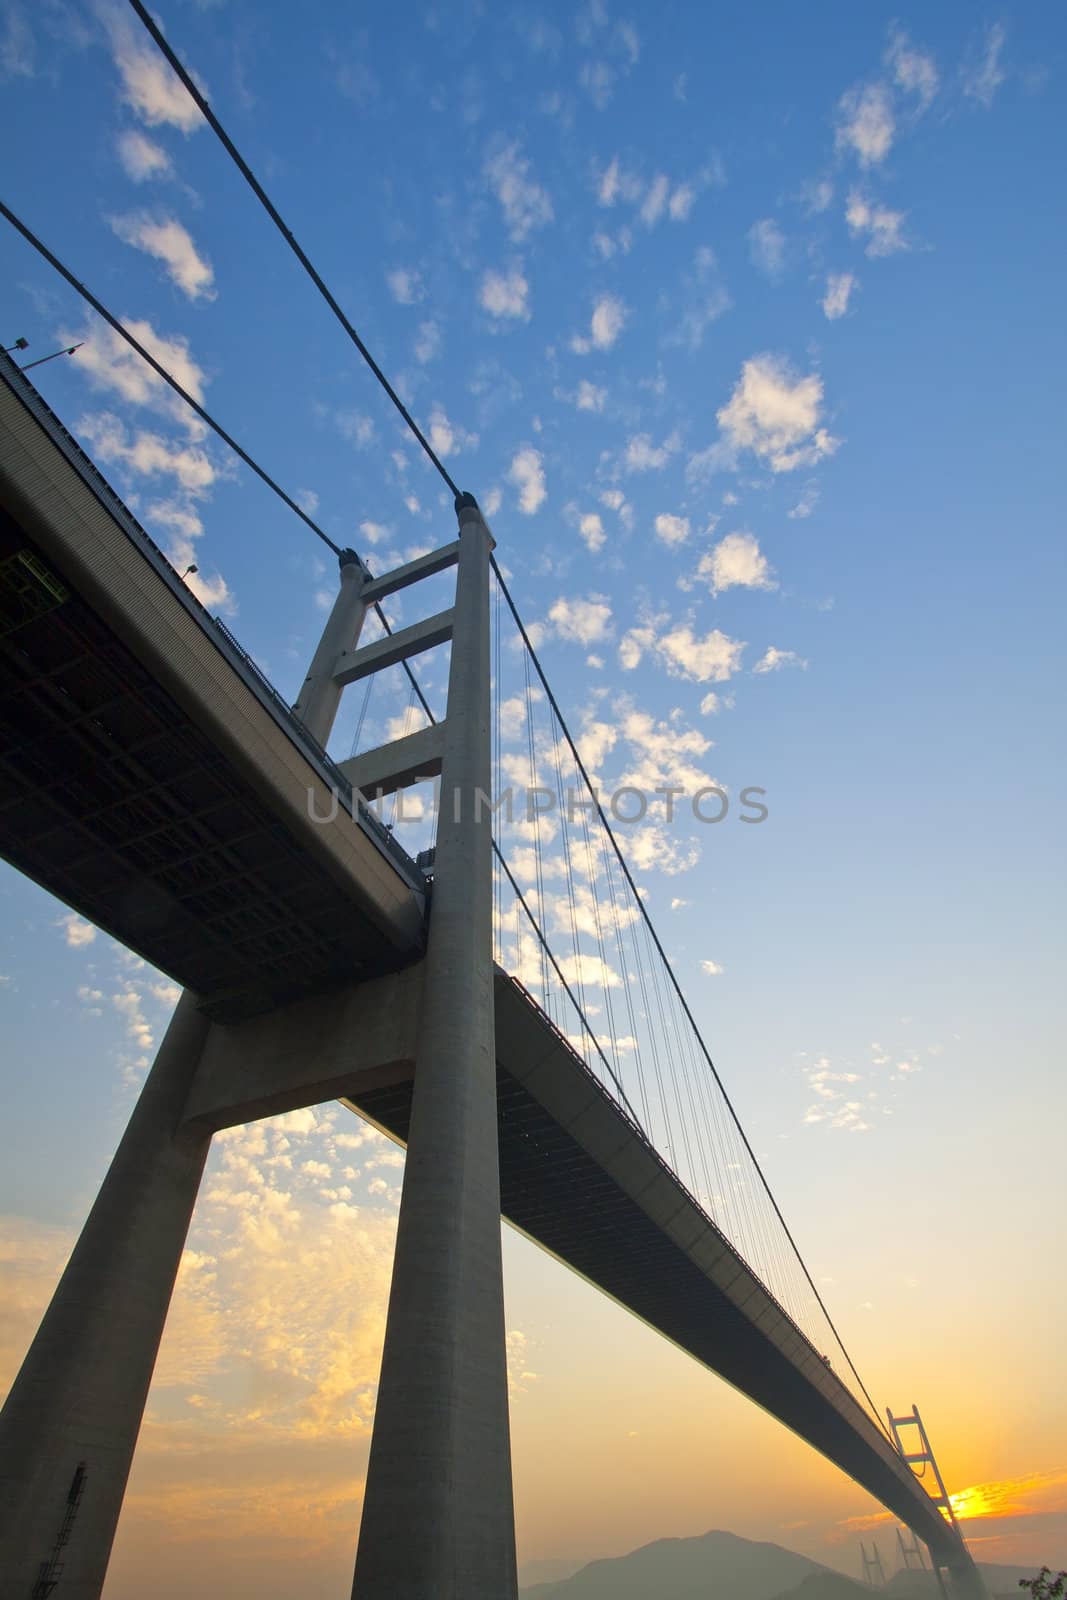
[745, 325]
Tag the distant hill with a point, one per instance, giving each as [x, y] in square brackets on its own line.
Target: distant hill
[722, 1566]
[714, 1566]
[999, 1580]
[825, 1584]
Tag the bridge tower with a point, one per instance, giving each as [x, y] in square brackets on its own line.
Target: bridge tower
[873, 1571]
[966, 1579]
[911, 1555]
[438, 1512]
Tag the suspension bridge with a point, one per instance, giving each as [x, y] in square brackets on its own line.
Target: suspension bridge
[497, 1001]
[154, 781]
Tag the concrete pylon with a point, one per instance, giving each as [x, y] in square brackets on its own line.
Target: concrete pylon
[438, 1516]
[966, 1581]
[80, 1395]
[320, 693]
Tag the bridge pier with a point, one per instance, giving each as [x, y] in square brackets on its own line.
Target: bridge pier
[966, 1581]
[438, 1517]
[70, 1422]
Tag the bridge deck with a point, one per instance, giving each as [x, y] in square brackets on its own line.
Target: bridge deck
[149, 776]
[151, 779]
[579, 1178]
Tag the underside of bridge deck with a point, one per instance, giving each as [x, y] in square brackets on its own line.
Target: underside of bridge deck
[604, 1218]
[134, 745]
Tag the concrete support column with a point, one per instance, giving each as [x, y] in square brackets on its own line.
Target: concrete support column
[320, 695]
[438, 1518]
[966, 1581]
[79, 1398]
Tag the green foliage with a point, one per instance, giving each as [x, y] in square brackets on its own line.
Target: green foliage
[1045, 1586]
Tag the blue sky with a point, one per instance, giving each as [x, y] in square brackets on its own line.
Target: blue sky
[745, 327]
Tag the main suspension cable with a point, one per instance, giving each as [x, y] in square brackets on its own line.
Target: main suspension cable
[505, 591]
[172, 382]
[210, 421]
[194, 405]
[287, 234]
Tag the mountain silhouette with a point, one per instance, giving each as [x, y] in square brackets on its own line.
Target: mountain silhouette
[713, 1566]
[723, 1566]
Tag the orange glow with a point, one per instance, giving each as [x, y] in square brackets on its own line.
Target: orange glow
[1035, 1495]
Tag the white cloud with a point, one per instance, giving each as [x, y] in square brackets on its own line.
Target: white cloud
[839, 287]
[614, 182]
[632, 647]
[616, 501]
[589, 397]
[773, 660]
[170, 243]
[630, 41]
[506, 294]
[592, 531]
[677, 903]
[608, 245]
[777, 415]
[129, 1004]
[766, 247]
[446, 436]
[705, 301]
[672, 530]
[374, 532]
[643, 456]
[147, 454]
[650, 848]
[681, 202]
[655, 202]
[598, 81]
[148, 84]
[606, 323]
[525, 204]
[581, 621]
[184, 527]
[710, 704]
[712, 658]
[17, 55]
[356, 428]
[589, 971]
[883, 227]
[831, 1106]
[817, 195]
[804, 507]
[177, 516]
[141, 157]
[308, 500]
[595, 742]
[866, 124]
[428, 343]
[712, 968]
[982, 80]
[913, 71]
[736, 562]
[527, 473]
[405, 285]
[109, 363]
[608, 319]
[663, 753]
[76, 930]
